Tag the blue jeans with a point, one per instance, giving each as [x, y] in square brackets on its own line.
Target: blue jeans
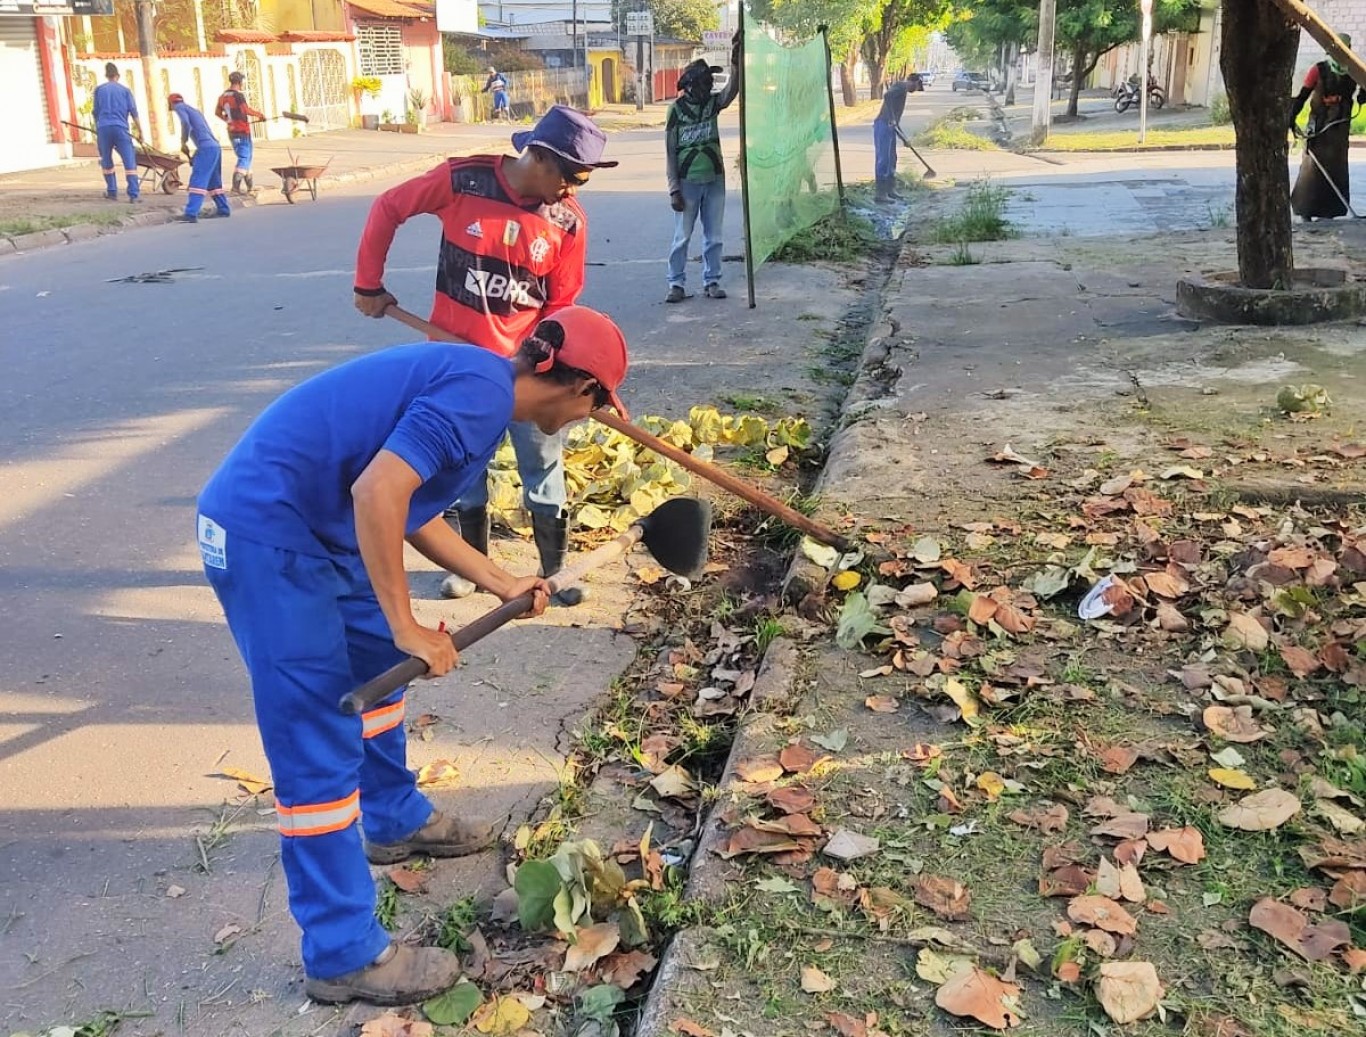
[540, 462]
[109, 140]
[709, 200]
[309, 630]
[884, 150]
[241, 147]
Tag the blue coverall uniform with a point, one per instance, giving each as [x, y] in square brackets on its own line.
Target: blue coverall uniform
[206, 168]
[114, 104]
[885, 128]
[277, 533]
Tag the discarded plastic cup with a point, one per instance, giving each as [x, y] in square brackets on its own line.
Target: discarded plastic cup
[1095, 604]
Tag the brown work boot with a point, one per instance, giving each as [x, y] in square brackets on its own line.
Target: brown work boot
[399, 976]
[442, 836]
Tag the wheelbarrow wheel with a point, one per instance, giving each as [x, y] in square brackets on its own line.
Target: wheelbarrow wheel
[288, 187]
[170, 183]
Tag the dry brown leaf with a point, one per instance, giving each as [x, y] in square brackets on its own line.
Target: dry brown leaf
[1051, 818]
[751, 840]
[1292, 928]
[688, 1028]
[882, 703]
[1349, 892]
[1103, 913]
[1186, 845]
[1300, 661]
[1244, 631]
[1261, 811]
[408, 880]
[1355, 960]
[591, 943]
[814, 981]
[1130, 851]
[250, 782]
[391, 1024]
[1128, 990]
[1117, 759]
[1309, 898]
[759, 770]
[1068, 881]
[1165, 585]
[975, 994]
[1233, 723]
[1101, 942]
[1126, 825]
[625, 970]
[792, 799]
[438, 774]
[946, 897]
[1169, 618]
[798, 759]
[847, 1025]
[1068, 971]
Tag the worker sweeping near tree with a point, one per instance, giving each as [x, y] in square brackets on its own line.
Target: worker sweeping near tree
[206, 164]
[113, 106]
[1322, 190]
[233, 109]
[513, 248]
[302, 531]
[886, 130]
[696, 172]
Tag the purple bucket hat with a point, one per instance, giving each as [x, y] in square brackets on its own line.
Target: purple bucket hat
[568, 133]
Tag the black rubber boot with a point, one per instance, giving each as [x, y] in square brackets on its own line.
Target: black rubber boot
[237, 183]
[251, 184]
[552, 542]
[883, 196]
[473, 526]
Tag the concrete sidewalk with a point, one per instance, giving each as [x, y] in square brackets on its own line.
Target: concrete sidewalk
[31, 201]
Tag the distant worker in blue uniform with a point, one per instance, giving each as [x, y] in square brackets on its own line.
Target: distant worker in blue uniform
[114, 106]
[498, 83]
[206, 165]
[886, 130]
[302, 531]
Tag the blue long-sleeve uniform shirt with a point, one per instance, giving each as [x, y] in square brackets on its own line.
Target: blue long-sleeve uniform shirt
[113, 104]
[193, 126]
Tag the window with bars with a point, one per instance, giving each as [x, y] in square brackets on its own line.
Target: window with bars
[381, 50]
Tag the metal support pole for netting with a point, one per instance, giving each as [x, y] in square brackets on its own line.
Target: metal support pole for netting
[830, 93]
[744, 162]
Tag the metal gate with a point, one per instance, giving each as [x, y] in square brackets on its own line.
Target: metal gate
[322, 75]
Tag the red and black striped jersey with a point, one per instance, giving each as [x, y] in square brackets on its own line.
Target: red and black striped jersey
[505, 261]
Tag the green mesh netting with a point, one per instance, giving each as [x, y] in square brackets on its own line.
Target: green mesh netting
[789, 148]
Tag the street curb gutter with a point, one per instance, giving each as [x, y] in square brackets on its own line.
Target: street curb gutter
[774, 689]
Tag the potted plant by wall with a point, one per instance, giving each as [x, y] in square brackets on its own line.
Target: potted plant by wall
[416, 116]
[364, 87]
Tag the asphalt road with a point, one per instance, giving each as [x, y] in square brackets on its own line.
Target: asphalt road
[120, 692]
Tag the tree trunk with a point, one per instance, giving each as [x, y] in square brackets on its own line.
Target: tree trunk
[875, 81]
[1078, 63]
[1257, 58]
[847, 88]
[1012, 64]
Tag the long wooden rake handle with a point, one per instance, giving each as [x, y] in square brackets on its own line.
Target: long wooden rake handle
[712, 473]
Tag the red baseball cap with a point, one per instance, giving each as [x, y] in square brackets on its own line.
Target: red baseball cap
[592, 343]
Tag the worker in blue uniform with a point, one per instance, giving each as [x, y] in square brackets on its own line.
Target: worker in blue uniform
[886, 130]
[301, 531]
[206, 165]
[113, 104]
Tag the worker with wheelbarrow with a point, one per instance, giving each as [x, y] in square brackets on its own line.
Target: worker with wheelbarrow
[114, 104]
[206, 165]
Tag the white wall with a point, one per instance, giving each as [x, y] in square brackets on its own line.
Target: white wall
[1347, 16]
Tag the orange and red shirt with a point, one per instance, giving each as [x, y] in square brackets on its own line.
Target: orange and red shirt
[233, 109]
[505, 261]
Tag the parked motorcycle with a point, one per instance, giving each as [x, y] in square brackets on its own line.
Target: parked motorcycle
[1129, 96]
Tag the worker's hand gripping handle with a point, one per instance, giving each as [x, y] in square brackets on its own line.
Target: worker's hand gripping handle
[412, 668]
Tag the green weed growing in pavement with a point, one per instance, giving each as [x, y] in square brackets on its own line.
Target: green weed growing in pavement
[456, 922]
[386, 904]
[981, 217]
[949, 134]
[1219, 113]
[33, 224]
[962, 256]
[766, 630]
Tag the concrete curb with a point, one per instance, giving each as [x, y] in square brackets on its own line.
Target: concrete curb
[773, 692]
[23, 244]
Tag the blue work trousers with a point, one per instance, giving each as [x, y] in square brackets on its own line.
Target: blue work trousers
[540, 462]
[310, 630]
[241, 147]
[111, 139]
[206, 181]
[884, 150]
[707, 200]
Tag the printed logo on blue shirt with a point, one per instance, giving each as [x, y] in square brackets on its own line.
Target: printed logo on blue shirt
[213, 543]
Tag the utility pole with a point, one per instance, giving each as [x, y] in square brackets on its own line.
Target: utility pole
[575, 38]
[640, 66]
[1144, 56]
[147, 47]
[1043, 80]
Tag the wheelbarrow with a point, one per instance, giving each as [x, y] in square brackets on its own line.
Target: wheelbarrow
[298, 176]
[162, 170]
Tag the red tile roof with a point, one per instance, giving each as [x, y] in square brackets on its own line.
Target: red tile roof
[410, 10]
